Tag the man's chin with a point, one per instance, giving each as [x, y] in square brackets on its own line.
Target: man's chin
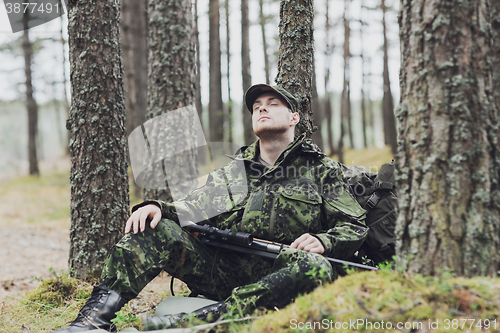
[268, 131]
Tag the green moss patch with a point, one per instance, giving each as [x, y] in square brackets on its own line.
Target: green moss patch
[57, 292]
[379, 301]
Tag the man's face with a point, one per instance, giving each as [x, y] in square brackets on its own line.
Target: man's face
[272, 115]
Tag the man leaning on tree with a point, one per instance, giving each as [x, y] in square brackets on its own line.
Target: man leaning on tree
[292, 194]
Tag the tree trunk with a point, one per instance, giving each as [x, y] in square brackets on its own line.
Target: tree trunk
[390, 134]
[346, 117]
[495, 23]
[99, 180]
[64, 81]
[201, 155]
[196, 32]
[329, 127]
[295, 60]
[449, 166]
[363, 81]
[229, 115]
[135, 59]
[31, 104]
[245, 70]
[215, 105]
[262, 21]
[369, 111]
[317, 112]
[328, 103]
[171, 87]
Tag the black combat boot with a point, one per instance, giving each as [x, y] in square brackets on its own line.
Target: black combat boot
[97, 312]
[209, 313]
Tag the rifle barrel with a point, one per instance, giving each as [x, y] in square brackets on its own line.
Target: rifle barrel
[245, 243]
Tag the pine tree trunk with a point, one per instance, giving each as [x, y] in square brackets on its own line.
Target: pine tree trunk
[363, 81]
[99, 180]
[329, 127]
[495, 23]
[317, 112]
[135, 59]
[31, 104]
[201, 154]
[229, 115]
[295, 61]
[245, 70]
[171, 87]
[328, 103]
[262, 22]
[369, 111]
[346, 116]
[64, 81]
[390, 134]
[449, 158]
[215, 106]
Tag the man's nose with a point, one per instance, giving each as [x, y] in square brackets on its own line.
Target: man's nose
[262, 108]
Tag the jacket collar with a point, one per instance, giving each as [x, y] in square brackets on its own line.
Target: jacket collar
[301, 143]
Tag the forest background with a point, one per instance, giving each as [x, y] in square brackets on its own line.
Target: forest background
[50, 68]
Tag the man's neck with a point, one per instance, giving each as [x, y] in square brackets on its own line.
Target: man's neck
[271, 149]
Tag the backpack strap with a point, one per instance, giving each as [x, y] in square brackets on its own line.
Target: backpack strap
[375, 197]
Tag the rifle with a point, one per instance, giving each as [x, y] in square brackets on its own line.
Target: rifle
[245, 243]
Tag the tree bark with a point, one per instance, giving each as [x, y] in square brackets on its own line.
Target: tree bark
[199, 105]
[171, 86]
[295, 60]
[262, 22]
[64, 81]
[317, 112]
[135, 59]
[31, 104]
[215, 105]
[328, 103]
[229, 115]
[245, 70]
[390, 134]
[449, 158]
[495, 23]
[345, 107]
[99, 180]
[364, 115]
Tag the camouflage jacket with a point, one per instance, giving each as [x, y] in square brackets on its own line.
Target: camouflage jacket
[303, 192]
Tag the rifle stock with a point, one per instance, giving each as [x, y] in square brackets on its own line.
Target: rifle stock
[245, 243]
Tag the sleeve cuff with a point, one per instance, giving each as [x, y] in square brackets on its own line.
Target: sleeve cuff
[326, 241]
[145, 203]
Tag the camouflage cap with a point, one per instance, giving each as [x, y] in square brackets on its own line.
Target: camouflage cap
[258, 89]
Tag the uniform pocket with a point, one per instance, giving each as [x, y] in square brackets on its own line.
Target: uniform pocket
[297, 210]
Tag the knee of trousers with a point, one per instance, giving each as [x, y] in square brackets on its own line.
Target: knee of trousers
[306, 262]
[166, 233]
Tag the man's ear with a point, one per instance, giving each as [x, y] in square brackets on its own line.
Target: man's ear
[294, 120]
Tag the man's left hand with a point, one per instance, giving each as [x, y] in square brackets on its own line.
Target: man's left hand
[308, 243]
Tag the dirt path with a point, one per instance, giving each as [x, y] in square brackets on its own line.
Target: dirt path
[29, 253]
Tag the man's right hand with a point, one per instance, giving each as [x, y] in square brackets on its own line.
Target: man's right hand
[138, 218]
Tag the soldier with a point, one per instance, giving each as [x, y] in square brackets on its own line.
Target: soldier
[288, 191]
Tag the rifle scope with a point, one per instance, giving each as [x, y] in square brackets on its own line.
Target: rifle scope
[229, 236]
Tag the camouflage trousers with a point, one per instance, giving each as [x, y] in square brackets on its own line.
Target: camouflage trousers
[243, 280]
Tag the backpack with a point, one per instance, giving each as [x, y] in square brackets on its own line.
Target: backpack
[376, 193]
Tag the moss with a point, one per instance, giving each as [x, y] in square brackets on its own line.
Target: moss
[57, 292]
[391, 297]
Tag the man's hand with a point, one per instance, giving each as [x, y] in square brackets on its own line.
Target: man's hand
[308, 243]
[138, 218]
